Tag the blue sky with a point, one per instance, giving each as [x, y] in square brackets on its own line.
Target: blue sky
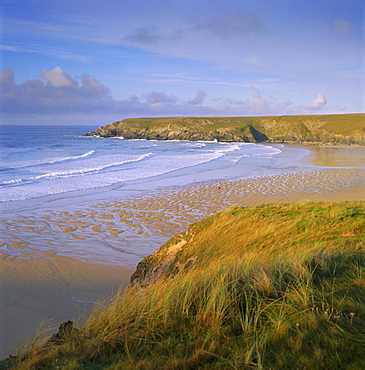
[76, 62]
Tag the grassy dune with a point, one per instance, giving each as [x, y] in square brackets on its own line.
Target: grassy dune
[269, 287]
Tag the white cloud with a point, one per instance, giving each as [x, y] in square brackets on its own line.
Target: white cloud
[160, 97]
[257, 101]
[56, 93]
[318, 103]
[7, 86]
[57, 77]
[199, 98]
[258, 104]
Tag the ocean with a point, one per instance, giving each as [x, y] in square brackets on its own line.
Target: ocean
[43, 163]
[104, 200]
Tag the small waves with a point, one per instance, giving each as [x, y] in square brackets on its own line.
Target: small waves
[73, 173]
[85, 155]
[270, 153]
[59, 165]
[54, 161]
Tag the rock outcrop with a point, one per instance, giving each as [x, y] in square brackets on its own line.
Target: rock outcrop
[170, 131]
[164, 261]
[65, 330]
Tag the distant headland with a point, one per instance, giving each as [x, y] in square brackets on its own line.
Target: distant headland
[334, 129]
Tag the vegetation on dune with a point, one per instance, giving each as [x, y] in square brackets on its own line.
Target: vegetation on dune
[336, 129]
[269, 287]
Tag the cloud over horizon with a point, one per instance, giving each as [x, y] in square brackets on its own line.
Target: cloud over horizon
[318, 103]
[191, 58]
[54, 92]
[57, 92]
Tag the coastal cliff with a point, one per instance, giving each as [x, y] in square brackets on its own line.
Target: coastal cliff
[193, 129]
[341, 129]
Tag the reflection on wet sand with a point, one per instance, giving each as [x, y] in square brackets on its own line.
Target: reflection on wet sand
[338, 156]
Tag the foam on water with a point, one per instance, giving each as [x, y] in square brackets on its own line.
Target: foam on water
[25, 164]
[45, 161]
[86, 169]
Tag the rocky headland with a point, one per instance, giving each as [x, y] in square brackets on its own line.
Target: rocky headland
[341, 129]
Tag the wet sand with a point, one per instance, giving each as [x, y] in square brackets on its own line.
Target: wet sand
[36, 290]
[56, 262]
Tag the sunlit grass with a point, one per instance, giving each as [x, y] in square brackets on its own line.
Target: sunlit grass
[274, 286]
[334, 129]
[319, 128]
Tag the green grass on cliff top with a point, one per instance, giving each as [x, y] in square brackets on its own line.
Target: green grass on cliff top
[269, 287]
[336, 123]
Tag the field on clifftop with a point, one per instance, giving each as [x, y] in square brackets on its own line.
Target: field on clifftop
[335, 129]
[337, 123]
[278, 286]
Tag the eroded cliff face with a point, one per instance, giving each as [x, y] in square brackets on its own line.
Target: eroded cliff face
[173, 131]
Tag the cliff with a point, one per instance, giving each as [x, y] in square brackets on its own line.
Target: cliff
[342, 129]
[193, 129]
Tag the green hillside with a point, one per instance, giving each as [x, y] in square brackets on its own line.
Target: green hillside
[336, 123]
[340, 129]
[269, 287]
[276, 128]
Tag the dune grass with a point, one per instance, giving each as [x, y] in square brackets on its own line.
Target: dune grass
[271, 287]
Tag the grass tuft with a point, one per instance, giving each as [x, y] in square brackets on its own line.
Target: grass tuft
[274, 286]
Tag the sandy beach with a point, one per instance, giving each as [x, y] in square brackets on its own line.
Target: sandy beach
[57, 262]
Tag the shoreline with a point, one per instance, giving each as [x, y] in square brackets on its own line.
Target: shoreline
[59, 260]
[300, 155]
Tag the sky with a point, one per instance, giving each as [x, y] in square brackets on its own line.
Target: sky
[94, 62]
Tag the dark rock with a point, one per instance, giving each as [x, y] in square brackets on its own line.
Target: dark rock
[64, 331]
[164, 262]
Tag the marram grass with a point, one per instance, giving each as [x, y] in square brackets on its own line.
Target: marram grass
[271, 287]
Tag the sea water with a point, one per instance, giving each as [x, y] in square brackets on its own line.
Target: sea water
[43, 163]
[50, 174]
